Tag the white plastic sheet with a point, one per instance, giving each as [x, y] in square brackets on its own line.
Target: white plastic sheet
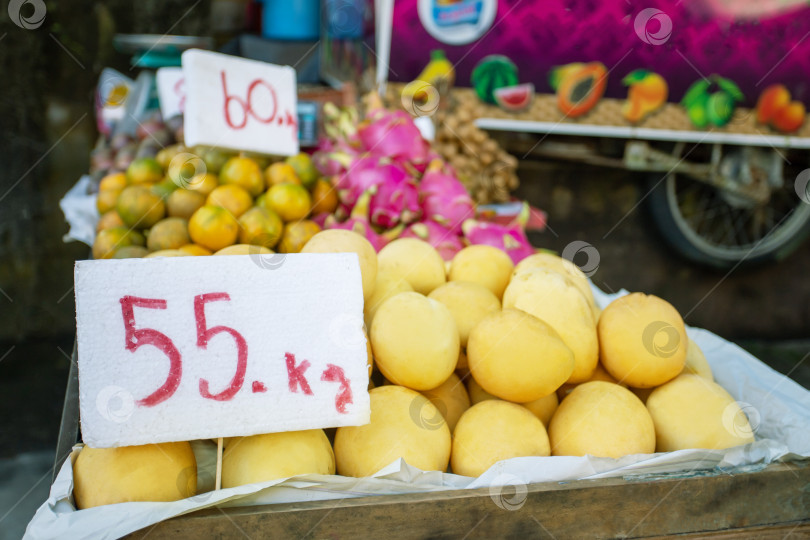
[778, 409]
[79, 207]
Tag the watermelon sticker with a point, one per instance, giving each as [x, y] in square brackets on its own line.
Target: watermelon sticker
[514, 98]
[457, 22]
[493, 72]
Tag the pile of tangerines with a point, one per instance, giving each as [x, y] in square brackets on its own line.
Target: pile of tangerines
[178, 204]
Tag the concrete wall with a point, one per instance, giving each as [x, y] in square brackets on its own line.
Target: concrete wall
[47, 130]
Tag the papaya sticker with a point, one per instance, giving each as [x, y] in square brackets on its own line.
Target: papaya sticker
[457, 22]
[646, 94]
[579, 86]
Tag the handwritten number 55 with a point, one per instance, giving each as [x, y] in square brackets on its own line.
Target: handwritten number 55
[137, 337]
[205, 334]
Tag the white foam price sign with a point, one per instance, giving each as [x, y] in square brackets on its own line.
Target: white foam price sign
[239, 104]
[184, 348]
[171, 86]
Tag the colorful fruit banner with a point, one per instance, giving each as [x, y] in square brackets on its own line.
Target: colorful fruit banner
[753, 43]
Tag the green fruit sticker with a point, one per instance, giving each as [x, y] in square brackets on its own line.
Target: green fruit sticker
[711, 108]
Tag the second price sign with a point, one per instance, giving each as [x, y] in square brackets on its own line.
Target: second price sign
[188, 348]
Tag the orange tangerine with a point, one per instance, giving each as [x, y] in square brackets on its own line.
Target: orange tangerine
[144, 170]
[166, 253]
[116, 181]
[130, 252]
[203, 183]
[169, 233]
[195, 249]
[324, 198]
[290, 201]
[280, 173]
[183, 167]
[244, 249]
[109, 240]
[183, 203]
[106, 200]
[139, 207]
[108, 220]
[242, 172]
[261, 202]
[166, 155]
[262, 160]
[232, 198]
[213, 227]
[260, 227]
[164, 188]
[296, 235]
[304, 169]
[214, 158]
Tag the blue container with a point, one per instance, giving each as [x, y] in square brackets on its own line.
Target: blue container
[345, 18]
[291, 20]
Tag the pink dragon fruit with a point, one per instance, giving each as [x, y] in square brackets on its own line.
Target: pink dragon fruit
[509, 238]
[446, 242]
[395, 201]
[334, 156]
[392, 134]
[320, 219]
[359, 223]
[365, 173]
[444, 198]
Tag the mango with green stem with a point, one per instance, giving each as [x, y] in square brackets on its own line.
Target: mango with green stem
[647, 93]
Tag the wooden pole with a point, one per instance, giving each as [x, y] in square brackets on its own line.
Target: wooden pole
[219, 465]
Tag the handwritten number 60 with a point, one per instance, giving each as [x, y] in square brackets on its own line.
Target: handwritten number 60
[247, 104]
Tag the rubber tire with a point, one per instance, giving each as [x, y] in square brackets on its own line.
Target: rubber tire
[661, 214]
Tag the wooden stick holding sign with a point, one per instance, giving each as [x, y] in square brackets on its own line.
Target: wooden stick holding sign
[218, 484]
[212, 347]
[239, 104]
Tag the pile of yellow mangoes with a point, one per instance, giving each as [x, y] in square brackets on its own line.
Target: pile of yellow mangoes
[476, 361]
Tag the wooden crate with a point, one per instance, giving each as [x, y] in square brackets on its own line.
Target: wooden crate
[769, 503]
